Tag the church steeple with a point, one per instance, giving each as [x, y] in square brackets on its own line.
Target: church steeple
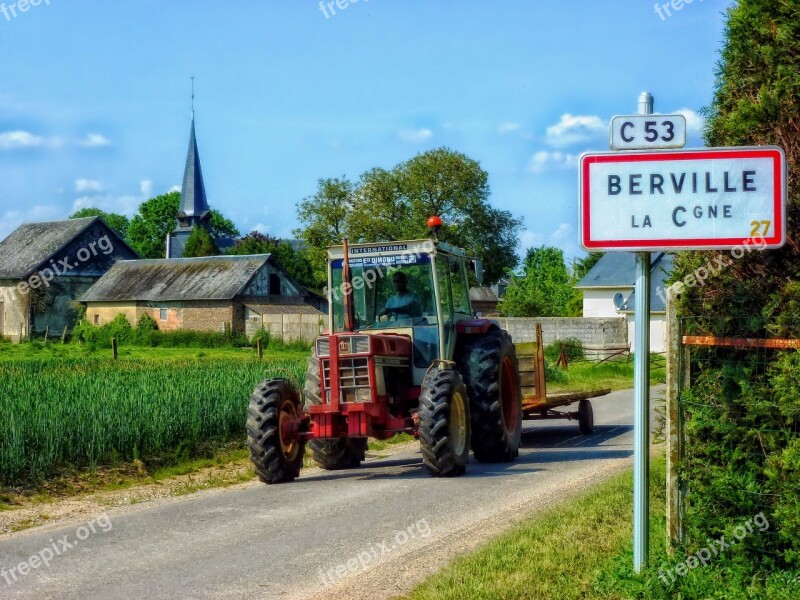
[194, 204]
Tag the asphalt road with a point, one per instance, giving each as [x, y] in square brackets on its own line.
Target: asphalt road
[370, 532]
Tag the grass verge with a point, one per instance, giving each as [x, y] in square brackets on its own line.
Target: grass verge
[584, 550]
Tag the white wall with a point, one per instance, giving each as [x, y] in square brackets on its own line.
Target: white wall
[600, 302]
[658, 332]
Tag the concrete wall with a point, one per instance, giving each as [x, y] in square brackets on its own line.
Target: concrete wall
[658, 332]
[591, 331]
[288, 327]
[103, 313]
[15, 310]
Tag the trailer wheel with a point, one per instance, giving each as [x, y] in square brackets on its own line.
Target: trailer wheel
[491, 372]
[331, 455]
[585, 417]
[444, 423]
[276, 456]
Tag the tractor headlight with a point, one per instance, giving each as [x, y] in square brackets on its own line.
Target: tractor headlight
[363, 395]
[323, 346]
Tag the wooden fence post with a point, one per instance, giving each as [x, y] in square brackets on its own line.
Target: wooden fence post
[64, 335]
[673, 426]
[114, 347]
[260, 348]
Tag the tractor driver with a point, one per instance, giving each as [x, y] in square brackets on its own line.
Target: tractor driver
[403, 302]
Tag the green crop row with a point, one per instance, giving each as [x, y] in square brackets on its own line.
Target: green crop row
[85, 412]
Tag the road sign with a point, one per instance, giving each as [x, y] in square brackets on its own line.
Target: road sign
[648, 132]
[714, 198]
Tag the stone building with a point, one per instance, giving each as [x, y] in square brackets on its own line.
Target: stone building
[46, 267]
[206, 294]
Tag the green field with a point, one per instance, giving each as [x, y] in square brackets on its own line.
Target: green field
[82, 411]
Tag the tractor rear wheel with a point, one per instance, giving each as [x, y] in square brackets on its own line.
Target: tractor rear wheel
[585, 417]
[444, 425]
[331, 455]
[491, 372]
[276, 456]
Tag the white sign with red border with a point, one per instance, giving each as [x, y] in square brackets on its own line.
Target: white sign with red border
[713, 198]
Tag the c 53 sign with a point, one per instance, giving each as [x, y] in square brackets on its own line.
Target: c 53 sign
[715, 198]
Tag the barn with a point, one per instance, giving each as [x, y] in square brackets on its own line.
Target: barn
[46, 267]
[216, 293]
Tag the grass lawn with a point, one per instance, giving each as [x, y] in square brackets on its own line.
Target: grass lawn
[617, 375]
[583, 549]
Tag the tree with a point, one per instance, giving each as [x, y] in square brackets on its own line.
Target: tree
[545, 288]
[156, 218]
[118, 223]
[324, 216]
[295, 261]
[393, 205]
[585, 264]
[200, 243]
[150, 226]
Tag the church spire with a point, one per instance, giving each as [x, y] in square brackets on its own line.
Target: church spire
[194, 204]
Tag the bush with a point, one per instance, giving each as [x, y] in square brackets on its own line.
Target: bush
[573, 348]
[146, 325]
[263, 335]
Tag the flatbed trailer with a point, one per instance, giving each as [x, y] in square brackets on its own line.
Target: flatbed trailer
[537, 403]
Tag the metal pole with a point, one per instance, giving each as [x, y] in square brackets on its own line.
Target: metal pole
[641, 395]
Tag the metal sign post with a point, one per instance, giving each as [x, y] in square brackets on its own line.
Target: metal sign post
[641, 398]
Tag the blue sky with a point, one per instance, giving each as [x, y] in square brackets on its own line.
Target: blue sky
[95, 97]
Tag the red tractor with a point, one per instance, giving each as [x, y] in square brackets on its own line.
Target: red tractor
[402, 353]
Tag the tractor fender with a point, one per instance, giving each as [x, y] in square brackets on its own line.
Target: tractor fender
[473, 326]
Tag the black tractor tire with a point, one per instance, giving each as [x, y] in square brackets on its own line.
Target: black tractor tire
[444, 423]
[331, 455]
[275, 460]
[490, 369]
[585, 417]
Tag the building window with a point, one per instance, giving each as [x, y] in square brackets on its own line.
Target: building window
[274, 285]
[97, 319]
[162, 314]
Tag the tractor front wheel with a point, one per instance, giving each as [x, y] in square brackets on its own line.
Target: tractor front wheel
[331, 455]
[275, 454]
[444, 425]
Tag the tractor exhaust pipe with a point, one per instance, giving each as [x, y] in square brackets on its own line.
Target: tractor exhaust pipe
[347, 288]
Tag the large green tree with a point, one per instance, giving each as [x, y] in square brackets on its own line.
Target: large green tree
[295, 261]
[118, 223]
[393, 205]
[148, 229]
[544, 289]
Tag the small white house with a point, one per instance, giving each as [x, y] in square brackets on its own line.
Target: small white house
[608, 291]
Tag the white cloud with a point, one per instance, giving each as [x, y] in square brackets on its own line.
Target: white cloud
[10, 220]
[174, 188]
[694, 121]
[508, 127]
[17, 140]
[88, 185]
[545, 161]
[416, 136]
[575, 129]
[146, 187]
[93, 140]
[13, 140]
[563, 231]
[262, 228]
[530, 239]
[562, 237]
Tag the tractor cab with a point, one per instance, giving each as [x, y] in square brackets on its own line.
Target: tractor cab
[418, 289]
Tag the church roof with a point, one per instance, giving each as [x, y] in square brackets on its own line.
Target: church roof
[193, 193]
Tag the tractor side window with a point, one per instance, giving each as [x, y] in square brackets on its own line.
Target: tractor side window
[460, 287]
[445, 295]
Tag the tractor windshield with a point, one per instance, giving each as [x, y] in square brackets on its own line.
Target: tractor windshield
[398, 292]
